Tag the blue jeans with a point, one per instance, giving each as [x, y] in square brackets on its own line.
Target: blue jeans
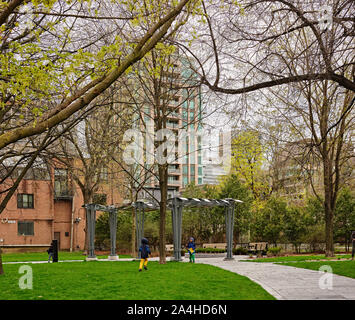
[50, 255]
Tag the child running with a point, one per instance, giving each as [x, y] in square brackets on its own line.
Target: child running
[145, 252]
[191, 248]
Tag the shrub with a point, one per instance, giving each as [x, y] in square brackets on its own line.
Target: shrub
[275, 251]
[240, 251]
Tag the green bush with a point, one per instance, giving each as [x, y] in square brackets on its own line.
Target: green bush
[275, 251]
[240, 251]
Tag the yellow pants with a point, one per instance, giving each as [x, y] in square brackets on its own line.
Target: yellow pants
[141, 263]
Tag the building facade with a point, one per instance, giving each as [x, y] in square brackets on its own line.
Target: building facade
[47, 207]
[180, 110]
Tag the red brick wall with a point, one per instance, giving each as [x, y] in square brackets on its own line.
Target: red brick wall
[41, 215]
[48, 215]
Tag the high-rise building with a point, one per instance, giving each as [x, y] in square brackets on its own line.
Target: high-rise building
[179, 109]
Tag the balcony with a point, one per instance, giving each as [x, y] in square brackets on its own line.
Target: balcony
[174, 170]
[173, 125]
[173, 182]
[174, 115]
[63, 194]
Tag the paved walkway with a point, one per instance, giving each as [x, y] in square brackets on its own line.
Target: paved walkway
[283, 282]
[288, 283]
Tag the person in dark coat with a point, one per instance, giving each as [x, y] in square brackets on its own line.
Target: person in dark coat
[50, 252]
[145, 252]
[191, 247]
[353, 243]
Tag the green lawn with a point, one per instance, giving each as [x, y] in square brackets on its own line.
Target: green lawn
[121, 280]
[43, 256]
[300, 258]
[343, 268]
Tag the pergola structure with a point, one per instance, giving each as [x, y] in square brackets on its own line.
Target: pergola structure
[91, 209]
[139, 208]
[176, 205]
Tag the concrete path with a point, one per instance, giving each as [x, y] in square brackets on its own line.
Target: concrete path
[288, 283]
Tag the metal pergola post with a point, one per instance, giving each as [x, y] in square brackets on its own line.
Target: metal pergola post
[113, 231]
[176, 212]
[91, 222]
[229, 215]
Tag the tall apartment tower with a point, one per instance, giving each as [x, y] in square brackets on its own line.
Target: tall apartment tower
[181, 105]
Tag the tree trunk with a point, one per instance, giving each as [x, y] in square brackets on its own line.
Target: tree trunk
[87, 199]
[163, 184]
[329, 243]
[328, 206]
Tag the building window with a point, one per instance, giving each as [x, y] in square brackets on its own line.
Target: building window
[25, 201]
[25, 228]
[199, 180]
[104, 174]
[200, 171]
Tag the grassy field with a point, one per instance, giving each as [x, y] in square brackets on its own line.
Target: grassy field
[343, 268]
[43, 256]
[102, 280]
[300, 258]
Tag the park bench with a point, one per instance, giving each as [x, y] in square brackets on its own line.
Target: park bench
[215, 245]
[258, 247]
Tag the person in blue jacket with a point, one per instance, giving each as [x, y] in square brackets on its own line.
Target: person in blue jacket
[145, 252]
[191, 248]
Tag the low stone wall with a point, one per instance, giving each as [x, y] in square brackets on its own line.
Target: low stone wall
[24, 248]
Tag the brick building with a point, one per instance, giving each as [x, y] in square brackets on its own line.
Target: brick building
[46, 207]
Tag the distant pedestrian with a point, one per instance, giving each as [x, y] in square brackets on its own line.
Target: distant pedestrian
[191, 247]
[50, 252]
[145, 252]
[353, 243]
